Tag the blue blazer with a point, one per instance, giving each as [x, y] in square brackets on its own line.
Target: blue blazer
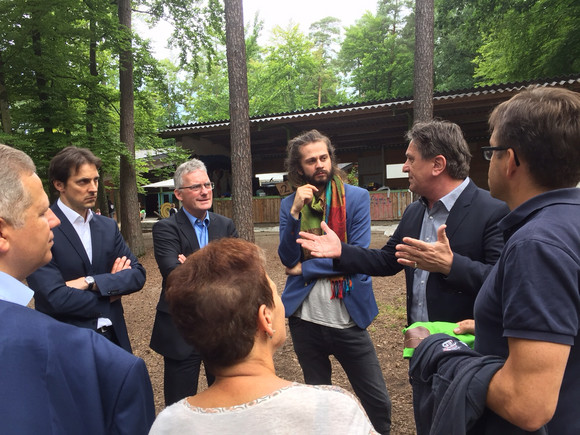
[360, 303]
[476, 243]
[70, 261]
[60, 379]
[171, 237]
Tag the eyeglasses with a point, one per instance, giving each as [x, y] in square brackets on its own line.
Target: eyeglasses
[488, 152]
[196, 188]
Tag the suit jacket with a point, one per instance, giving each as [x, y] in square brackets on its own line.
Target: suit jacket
[60, 379]
[476, 243]
[360, 302]
[70, 261]
[173, 236]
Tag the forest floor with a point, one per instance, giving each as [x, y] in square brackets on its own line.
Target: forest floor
[385, 331]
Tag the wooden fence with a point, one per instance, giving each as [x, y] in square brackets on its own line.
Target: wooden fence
[385, 206]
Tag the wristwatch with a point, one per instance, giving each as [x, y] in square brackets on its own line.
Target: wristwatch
[90, 281]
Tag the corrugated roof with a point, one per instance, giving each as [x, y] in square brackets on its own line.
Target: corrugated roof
[403, 102]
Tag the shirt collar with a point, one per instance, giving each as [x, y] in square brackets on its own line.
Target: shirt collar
[72, 215]
[193, 219]
[518, 216]
[14, 291]
[449, 200]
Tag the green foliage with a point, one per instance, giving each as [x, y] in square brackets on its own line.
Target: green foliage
[456, 44]
[198, 25]
[352, 175]
[59, 66]
[377, 53]
[287, 75]
[530, 39]
[479, 42]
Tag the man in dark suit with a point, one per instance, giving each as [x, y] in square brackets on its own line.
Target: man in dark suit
[98, 388]
[447, 241]
[91, 266]
[174, 238]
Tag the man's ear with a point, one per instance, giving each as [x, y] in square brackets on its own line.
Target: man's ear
[439, 164]
[511, 166]
[177, 194]
[4, 242]
[58, 185]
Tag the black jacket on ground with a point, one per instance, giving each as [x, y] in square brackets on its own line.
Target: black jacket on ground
[450, 383]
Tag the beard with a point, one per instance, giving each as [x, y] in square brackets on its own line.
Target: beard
[317, 181]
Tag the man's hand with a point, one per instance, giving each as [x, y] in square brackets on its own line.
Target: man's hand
[465, 327]
[432, 257]
[181, 258]
[296, 270]
[304, 195]
[78, 283]
[120, 264]
[326, 246]
[414, 336]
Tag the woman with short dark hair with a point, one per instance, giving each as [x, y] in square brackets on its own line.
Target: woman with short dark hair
[226, 306]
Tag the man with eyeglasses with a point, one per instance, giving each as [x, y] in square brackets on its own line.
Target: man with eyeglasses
[447, 241]
[174, 238]
[528, 309]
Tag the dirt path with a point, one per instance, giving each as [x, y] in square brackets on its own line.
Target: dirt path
[385, 331]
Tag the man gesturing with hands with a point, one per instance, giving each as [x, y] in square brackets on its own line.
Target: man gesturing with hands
[447, 241]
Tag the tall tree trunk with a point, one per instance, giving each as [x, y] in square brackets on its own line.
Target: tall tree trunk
[4, 106]
[128, 210]
[41, 84]
[91, 110]
[239, 120]
[423, 80]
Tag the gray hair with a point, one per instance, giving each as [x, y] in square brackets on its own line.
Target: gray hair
[186, 168]
[14, 199]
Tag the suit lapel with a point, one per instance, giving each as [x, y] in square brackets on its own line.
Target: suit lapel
[189, 237]
[460, 209]
[97, 237]
[415, 223]
[213, 230]
[69, 233]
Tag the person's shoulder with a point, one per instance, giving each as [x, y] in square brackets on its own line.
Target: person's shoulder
[484, 196]
[355, 191]
[175, 418]
[289, 198]
[352, 188]
[165, 222]
[104, 220]
[219, 217]
[334, 391]
[37, 327]
[22, 316]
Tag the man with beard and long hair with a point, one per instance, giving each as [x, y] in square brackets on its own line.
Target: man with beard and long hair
[329, 311]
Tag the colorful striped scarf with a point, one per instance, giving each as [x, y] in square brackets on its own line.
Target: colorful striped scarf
[331, 206]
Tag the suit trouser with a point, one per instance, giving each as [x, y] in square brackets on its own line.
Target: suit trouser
[180, 378]
[354, 350]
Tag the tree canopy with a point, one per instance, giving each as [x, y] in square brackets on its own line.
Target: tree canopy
[59, 64]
